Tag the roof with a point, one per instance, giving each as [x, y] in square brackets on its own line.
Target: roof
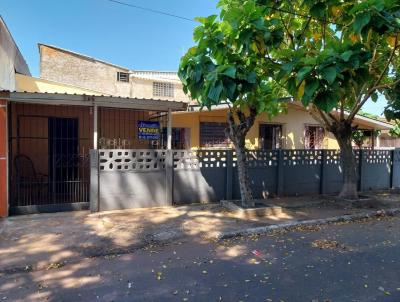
[19, 54]
[32, 84]
[92, 100]
[375, 124]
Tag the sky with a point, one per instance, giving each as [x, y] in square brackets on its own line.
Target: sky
[121, 35]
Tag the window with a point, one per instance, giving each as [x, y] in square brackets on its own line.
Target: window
[123, 77]
[314, 137]
[270, 136]
[180, 138]
[163, 89]
[213, 135]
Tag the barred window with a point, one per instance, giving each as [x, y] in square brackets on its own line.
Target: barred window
[163, 89]
[314, 137]
[123, 77]
[213, 135]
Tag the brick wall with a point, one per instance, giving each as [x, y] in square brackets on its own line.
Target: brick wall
[65, 67]
[74, 69]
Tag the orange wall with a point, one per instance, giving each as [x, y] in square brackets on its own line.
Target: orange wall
[3, 159]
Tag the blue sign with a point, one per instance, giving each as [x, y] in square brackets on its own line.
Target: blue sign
[148, 130]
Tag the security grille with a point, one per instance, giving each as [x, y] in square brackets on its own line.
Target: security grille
[314, 137]
[50, 165]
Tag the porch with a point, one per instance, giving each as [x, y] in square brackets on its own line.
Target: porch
[50, 135]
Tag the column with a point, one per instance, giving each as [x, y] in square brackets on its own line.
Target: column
[95, 127]
[169, 130]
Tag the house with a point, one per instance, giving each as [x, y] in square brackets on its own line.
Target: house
[48, 125]
[194, 128]
[48, 128]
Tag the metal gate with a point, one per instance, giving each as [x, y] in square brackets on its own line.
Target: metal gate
[49, 170]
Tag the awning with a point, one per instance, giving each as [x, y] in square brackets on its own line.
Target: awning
[92, 100]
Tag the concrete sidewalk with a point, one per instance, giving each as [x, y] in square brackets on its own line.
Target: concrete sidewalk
[44, 241]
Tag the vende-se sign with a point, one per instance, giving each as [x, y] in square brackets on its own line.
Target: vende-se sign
[148, 130]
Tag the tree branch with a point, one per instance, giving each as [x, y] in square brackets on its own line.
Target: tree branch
[287, 31]
[376, 84]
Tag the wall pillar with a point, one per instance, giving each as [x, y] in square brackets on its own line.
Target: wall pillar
[169, 130]
[3, 160]
[94, 181]
[95, 127]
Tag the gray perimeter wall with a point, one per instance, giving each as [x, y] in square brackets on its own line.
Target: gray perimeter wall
[122, 179]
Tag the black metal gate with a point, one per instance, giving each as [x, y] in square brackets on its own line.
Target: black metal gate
[50, 169]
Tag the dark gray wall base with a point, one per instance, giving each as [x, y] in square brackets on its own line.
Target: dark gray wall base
[49, 208]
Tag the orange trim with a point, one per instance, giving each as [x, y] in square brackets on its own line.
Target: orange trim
[3, 159]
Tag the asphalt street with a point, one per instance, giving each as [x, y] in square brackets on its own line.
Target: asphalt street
[341, 262]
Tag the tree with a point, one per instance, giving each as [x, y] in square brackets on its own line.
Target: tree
[330, 55]
[341, 55]
[228, 65]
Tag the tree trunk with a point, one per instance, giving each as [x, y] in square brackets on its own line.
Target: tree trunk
[237, 133]
[246, 194]
[343, 134]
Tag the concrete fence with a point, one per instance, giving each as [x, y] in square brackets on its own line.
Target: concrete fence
[122, 179]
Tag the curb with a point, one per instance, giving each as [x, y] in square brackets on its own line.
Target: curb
[323, 221]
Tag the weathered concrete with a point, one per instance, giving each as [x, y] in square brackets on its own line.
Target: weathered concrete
[294, 224]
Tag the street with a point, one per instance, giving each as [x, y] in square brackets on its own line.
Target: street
[341, 262]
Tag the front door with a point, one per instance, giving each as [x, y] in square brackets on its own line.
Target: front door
[63, 157]
[270, 136]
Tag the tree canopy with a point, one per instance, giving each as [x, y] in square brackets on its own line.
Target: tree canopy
[329, 55]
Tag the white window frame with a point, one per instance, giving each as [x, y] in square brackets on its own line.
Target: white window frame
[123, 77]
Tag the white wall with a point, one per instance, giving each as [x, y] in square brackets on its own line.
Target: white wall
[11, 60]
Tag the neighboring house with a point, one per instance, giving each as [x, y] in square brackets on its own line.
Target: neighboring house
[11, 60]
[64, 66]
[295, 130]
[194, 129]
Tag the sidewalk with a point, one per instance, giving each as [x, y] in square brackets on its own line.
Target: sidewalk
[45, 241]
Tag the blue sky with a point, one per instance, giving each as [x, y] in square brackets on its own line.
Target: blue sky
[121, 35]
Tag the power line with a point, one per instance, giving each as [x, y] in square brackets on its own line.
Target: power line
[151, 10]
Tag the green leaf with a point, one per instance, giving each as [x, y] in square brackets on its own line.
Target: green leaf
[251, 78]
[288, 67]
[303, 72]
[362, 19]
[329, 74]
[291, 85]
[327, 100]
[346, 55]
[198, 33]
[230, 87]
[215, 91]
[374, 97]
[230, 71]
[318, 10]
[309, 90]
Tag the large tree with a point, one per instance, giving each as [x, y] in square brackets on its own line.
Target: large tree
[228, 65]
[339, 56]
[330, 55]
